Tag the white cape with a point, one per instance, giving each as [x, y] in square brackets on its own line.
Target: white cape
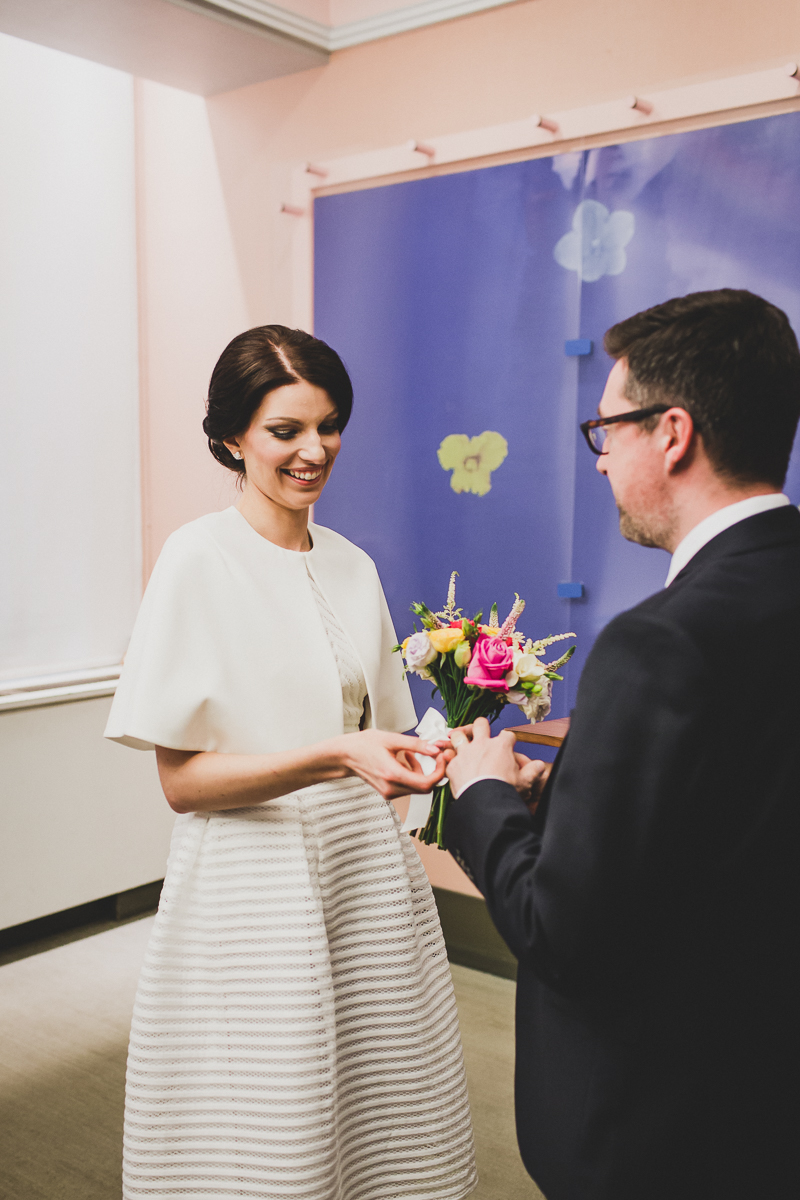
[229, 653]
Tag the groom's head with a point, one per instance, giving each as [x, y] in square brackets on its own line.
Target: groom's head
[725, 367]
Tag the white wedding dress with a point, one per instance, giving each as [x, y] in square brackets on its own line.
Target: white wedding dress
[295, 1035]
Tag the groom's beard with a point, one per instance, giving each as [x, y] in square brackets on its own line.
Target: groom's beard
[645, 530]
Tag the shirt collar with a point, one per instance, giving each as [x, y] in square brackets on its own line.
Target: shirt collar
[720, 520]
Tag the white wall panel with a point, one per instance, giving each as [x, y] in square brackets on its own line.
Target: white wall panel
[69, 481]
[81, 817]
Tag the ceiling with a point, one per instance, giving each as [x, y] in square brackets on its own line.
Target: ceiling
[210, 46]
[159, 40]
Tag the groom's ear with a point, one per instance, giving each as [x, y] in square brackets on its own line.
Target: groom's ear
[681, 438]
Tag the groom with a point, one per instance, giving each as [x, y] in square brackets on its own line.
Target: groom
[652, 898]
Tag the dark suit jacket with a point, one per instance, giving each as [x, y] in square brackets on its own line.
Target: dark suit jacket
[653, 901]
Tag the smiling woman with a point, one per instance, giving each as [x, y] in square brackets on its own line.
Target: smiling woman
[277, 404]
[287, 452]
[297, 980]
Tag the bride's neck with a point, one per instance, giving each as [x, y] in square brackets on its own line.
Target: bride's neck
[284, 527]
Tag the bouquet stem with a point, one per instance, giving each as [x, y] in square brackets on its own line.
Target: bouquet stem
[433, 832]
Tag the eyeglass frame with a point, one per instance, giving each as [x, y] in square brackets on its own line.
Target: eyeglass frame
[636, 414]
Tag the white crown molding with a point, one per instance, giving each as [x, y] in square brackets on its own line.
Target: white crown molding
[275, 19]
[271, 18]
[401, 20]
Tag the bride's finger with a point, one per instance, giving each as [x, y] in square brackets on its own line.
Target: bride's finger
[408, 760]
[402, 782]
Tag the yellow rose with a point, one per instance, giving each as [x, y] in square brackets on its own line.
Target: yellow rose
[445, 640]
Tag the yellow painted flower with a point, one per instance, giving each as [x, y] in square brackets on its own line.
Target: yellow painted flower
[445, 640]
[472, 460]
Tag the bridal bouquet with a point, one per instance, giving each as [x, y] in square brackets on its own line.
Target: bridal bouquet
[477, 669]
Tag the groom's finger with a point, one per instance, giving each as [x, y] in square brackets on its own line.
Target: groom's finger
[481, 731]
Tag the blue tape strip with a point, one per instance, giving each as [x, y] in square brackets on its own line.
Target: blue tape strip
[570, 591]
[577, 347]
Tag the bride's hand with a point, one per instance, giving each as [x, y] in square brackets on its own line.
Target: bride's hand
[386, 762]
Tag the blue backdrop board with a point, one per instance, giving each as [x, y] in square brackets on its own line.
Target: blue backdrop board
[476, 303]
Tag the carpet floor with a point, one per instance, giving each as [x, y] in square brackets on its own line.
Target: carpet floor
[64, 1015]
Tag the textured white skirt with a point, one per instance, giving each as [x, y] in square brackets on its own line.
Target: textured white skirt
[295, 1034]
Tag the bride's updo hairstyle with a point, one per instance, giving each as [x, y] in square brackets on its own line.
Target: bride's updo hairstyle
[258, 362]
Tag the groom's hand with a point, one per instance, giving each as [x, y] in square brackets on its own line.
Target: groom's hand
[533, 775]
[479, 755]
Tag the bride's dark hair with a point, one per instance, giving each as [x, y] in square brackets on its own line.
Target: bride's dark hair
[257, 362]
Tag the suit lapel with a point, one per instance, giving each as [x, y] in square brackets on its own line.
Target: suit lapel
[776, 527]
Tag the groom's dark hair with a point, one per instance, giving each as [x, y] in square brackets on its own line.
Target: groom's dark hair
[730, 359]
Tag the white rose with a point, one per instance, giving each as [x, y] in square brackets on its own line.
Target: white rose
[419, 651]
[526, 666]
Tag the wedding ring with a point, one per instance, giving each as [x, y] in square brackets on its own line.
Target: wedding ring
[456, 741]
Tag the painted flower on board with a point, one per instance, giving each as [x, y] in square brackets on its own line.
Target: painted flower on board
[595, 246]
[472, 460]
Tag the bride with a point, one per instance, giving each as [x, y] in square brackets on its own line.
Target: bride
[295, 1033]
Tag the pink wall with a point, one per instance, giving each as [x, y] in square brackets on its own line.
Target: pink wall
[215, 248]
[191, 305]
[496, 66]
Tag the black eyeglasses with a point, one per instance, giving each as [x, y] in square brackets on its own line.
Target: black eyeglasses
[595, 432]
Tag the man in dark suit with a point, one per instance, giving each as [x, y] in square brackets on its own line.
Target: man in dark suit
[652, 897]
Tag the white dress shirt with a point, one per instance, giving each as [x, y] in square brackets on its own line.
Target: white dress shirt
[720, 520]
[695, 539]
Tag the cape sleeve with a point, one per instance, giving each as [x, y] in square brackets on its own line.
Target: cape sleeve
[166, 689]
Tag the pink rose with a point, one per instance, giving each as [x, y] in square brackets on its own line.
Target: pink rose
[492, 659]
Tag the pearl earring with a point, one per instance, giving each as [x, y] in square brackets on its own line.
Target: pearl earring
[237, 455]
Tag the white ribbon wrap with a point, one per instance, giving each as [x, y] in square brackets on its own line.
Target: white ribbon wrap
[432, 727]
